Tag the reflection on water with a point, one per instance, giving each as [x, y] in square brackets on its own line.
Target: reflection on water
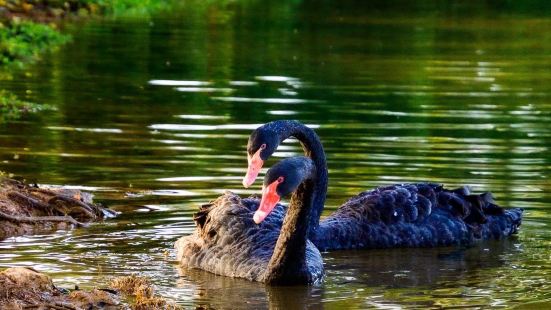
[223, 292]
[153, 117]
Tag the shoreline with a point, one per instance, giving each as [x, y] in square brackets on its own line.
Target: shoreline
[25, 288]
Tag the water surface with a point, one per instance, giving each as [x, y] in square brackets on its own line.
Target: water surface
[153, 117]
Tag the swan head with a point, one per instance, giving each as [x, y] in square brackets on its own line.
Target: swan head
[281, 180]
[262, 144]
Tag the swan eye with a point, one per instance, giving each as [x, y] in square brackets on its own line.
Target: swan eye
[280, 179]
[263, 146]
[212, 233]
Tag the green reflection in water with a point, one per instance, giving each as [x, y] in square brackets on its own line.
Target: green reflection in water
[454, 93]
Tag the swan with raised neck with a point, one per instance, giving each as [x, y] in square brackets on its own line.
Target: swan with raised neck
[400, 215]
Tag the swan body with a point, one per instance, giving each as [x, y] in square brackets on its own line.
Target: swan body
[401, 215]
[415, 215]
[228, 242]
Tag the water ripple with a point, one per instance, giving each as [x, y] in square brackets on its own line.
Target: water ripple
[179, 83]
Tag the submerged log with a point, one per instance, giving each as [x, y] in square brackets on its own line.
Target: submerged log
[40, 219]
[26, 209]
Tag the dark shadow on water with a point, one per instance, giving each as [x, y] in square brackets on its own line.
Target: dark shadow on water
[401, 268]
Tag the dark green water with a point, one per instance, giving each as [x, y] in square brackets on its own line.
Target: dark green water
[447, 93]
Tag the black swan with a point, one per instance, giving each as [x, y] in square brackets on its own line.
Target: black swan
[401, 215]
[232, 238]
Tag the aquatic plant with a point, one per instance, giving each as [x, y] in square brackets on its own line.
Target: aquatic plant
[142, 290]
[11, 107]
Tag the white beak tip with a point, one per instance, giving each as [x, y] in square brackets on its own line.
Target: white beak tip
[257, 219]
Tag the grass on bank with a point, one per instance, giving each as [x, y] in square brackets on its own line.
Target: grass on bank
[110, 8]
[119, 8]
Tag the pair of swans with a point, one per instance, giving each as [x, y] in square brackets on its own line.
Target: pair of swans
[268, 242]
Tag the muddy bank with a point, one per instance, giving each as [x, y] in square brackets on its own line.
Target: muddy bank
[26, 288]
[26, 209]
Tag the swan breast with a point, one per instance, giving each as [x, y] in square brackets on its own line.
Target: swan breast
[226, 240]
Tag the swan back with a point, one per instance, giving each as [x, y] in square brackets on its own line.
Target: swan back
[416, 215]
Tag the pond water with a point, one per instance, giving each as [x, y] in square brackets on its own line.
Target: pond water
[153, 115]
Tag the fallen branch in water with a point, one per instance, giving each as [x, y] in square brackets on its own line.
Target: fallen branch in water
[38, 219]
[56, 306]
[26, 200]
[28, 209]
[76, 203]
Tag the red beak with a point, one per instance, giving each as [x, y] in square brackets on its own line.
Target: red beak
[269, 200]
[255, 164]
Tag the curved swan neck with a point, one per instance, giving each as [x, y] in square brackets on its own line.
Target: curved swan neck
[314, 149]
[288, 264]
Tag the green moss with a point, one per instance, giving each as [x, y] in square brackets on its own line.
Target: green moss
[11, 107]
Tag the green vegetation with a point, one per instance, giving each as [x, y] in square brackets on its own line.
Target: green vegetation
[23, 41]
[50, 9]
[11, 107]
[118, 8]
